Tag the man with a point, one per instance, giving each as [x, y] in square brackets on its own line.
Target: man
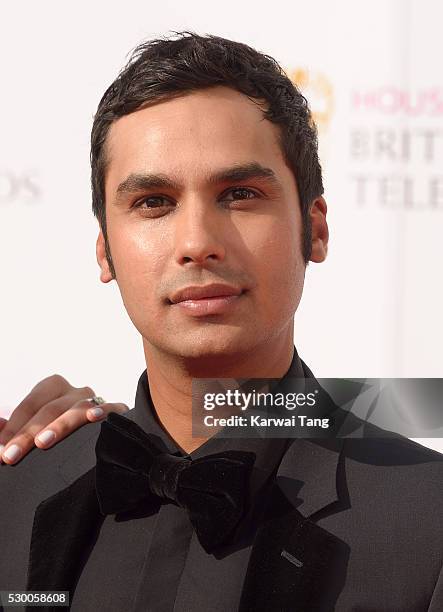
[207, 187]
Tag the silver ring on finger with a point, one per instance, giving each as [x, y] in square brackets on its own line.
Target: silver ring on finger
[96, 400]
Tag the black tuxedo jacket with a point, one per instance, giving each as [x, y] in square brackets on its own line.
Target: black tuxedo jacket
[354, 525]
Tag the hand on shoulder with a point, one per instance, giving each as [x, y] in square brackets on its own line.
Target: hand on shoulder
[51, 411]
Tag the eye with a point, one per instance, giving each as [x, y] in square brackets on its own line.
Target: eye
[152, 202]
[239, 193]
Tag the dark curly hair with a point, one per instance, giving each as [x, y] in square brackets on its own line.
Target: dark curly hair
[165, 68]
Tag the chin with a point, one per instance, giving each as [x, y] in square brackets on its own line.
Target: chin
[211, 344]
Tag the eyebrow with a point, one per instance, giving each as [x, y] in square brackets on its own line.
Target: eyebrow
[136, 182]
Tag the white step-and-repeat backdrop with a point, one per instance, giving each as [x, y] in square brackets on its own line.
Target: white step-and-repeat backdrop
[372, 73]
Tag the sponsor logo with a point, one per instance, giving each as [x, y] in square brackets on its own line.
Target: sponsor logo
[18, 187]
[319, 92]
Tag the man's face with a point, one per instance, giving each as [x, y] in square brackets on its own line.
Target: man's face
[198, 193]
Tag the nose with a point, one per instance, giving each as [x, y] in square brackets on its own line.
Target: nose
[198, 235]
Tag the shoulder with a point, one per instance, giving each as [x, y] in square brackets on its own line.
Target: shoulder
[392, 453]
[43, 472]
[387, 468]
[396, 469]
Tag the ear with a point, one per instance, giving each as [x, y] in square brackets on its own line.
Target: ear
[320, 231]
[100, 250]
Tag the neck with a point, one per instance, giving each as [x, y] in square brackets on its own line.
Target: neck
[170, 380]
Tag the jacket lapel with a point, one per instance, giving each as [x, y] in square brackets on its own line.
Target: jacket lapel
[292, 558]
[65, 526]
[294, 562]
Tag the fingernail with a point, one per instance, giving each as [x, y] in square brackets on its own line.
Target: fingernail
[2, 446]
[46, 436]
[12, 453]
[96, 412]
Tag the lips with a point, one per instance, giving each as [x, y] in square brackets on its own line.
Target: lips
[193, 293]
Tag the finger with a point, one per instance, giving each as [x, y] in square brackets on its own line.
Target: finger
[98, 413]
[44, 392]
[24, 440]
[80, 414]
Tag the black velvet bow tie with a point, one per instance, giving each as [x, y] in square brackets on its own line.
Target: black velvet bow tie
[131, 469]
